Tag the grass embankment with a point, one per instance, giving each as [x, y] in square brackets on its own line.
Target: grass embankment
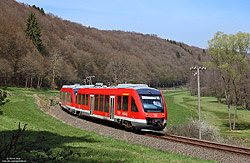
[92, 147]
[182, 106]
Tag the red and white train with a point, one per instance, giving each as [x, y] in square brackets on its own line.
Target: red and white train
[133, 105]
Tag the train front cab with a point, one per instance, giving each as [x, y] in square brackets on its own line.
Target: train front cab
[151, 105]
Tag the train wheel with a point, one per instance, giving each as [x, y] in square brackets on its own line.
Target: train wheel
[128, 125]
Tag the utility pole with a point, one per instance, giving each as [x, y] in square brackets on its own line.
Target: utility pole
[197, 73]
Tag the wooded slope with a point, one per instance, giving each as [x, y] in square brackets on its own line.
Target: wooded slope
[79, 51]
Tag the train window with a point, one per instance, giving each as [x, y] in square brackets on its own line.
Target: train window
[101, 103]
[83, 99]
[96, 102]
[79, 98]
[106, 109]
[133, 105]
[125, 103]
[87, 99]
[68, 98]
[119, 103]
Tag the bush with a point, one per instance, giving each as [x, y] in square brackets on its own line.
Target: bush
[191, 129]
[3, 97]
[178, 54]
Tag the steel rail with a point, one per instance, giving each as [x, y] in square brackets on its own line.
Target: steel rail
[205, 144]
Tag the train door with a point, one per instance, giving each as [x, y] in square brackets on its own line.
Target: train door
[112, 107]
[64, 98]
[91, 104]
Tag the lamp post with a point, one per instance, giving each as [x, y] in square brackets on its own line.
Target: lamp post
[197, 73]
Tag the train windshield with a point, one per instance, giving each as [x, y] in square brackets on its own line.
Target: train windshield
[152, 103]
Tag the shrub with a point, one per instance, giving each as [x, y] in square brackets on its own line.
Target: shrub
[199, 57]
[191, 129]
[3, 97]
[178, 54]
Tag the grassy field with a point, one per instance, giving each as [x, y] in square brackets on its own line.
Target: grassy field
[61, 138]
[182, 106]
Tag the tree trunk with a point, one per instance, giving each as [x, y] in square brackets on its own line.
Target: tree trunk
[235, 111]
[244, 105]
[228, 107]
[53, 77]
[26, 83]
[38, 87]
[41, 82]
[31, 78]
[218, 99]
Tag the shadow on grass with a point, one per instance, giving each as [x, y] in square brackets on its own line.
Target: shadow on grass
[52, 147]
[239, 126]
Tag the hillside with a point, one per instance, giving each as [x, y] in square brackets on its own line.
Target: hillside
[79, 51]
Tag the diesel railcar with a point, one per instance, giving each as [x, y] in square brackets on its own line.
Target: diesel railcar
[132, 105]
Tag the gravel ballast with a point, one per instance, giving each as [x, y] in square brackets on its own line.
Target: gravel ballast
[183, 149]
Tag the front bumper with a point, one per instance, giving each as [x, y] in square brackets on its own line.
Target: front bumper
[149, 127]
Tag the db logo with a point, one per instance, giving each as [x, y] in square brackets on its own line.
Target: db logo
[155, 115]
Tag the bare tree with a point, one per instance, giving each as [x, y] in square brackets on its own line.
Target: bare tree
[53, 58]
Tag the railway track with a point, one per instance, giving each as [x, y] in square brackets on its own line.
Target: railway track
[202, 143]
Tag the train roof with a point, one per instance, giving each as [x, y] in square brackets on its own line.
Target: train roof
[140, 88]
[133, 86]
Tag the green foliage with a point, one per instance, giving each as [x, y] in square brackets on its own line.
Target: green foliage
[3, 97]
[178, 54]
[33, 31]
[199, 57]
[41, 10]
[228, 53]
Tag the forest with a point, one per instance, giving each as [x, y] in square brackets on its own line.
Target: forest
[65, 52]
[41, 50]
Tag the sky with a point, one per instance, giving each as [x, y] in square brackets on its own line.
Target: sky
[193, 22]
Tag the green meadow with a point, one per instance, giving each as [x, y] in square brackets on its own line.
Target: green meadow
[61, 138]
[182, 106]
